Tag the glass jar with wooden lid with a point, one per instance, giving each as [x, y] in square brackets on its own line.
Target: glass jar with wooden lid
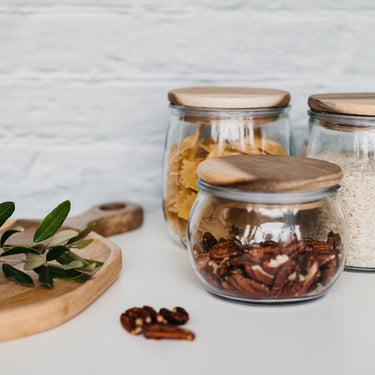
[208, 122]
[268, 228]
[342, 130]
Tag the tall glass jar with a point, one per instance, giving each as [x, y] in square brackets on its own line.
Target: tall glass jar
[268, 242]
[208, 122]
[342, 130]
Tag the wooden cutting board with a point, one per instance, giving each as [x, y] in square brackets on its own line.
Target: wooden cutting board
[28, 310]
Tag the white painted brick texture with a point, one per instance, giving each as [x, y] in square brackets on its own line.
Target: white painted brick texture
[83, 84]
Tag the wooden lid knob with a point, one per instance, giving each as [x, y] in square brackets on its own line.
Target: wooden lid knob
[229, 97]
[344, 103]
[269, 172]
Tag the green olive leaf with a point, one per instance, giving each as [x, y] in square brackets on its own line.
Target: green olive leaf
[56, 252]
[39, 248]
[62, 236]
[33, 261]
[74, 264]
[59, 273]
[45, 276]
[8, 233]
[19, 250]
[82, 234]
[69, 256]
[82, 244]
[6, 211]
[89, 268]
[52, 222]
[19, 276]
[58, 249]
[95, 262]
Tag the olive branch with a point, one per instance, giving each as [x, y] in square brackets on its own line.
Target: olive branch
[38, 255]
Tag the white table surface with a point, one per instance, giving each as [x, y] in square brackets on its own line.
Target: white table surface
[332, 335]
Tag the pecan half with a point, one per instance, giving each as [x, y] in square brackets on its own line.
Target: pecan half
[210, 277]
[162, 331]
[241, 261]
[138, 314]
[248, 287]
[178, 316]
[272, 265]
[202, 260]
[150, 314]
[324, 258]
[259, 274]
[225, 249]
[334, 239]
[286, 269]
[291, 289]
[328, 271]
[268, 243]
[128, 324]
[312, 276]
[208, 241]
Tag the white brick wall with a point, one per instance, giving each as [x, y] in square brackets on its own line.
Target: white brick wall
[83, 83]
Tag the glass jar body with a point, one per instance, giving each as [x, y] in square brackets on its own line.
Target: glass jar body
[196, 134]
[267, 253]
[349, 141]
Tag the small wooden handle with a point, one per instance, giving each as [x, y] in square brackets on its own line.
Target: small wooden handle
[110, 218]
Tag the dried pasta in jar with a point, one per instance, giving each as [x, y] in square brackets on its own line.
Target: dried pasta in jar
[210, 122]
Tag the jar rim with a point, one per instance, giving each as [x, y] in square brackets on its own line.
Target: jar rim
[277, 197]
[230, 113]
[342, 119]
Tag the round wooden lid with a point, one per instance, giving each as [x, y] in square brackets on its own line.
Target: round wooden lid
[229, 97]
[269, 172]
[344, 103]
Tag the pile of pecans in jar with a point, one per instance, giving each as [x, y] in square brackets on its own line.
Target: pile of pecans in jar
[269, 269]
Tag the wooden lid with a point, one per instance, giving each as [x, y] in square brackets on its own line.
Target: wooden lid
[229, 97]
[269, 172]
[344, 103]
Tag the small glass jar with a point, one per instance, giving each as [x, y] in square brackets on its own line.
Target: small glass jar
[210, 122]
[267, 246]
[348, 139]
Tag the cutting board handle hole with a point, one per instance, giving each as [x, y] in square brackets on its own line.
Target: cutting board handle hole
[112, 206]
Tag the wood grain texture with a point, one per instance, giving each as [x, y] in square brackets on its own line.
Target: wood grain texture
[228, 97]
[344, 103]
[110, 218]
[269, 172]
[25, 311]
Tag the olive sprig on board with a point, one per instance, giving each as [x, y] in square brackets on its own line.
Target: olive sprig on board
[50, 255]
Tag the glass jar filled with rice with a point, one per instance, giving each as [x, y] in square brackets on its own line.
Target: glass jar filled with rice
[342, 131]
[208, 122]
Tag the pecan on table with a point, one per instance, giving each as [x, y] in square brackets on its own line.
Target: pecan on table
[164, 331]
[177, 316]
[157, 325]
[269, 269]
